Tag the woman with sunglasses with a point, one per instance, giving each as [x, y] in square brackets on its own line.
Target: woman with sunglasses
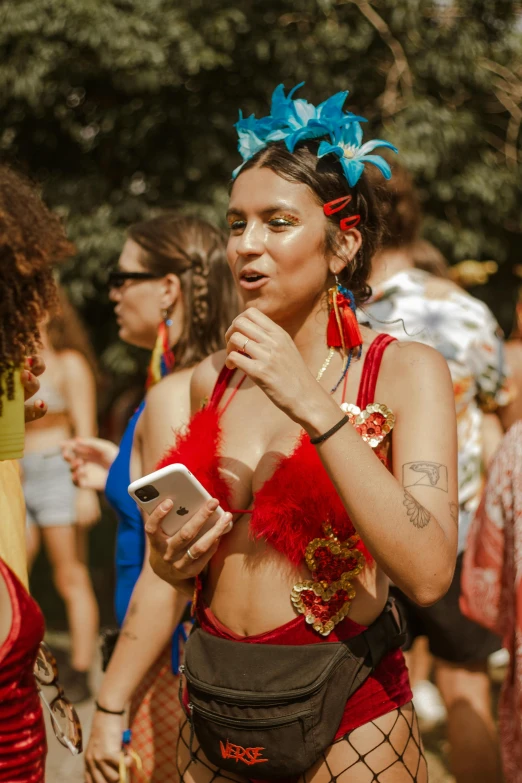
[32, 240]
[173, 293]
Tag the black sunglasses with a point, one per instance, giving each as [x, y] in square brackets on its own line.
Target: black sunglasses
[118, 277]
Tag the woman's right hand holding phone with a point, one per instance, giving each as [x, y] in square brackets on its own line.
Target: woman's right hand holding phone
[176, 558]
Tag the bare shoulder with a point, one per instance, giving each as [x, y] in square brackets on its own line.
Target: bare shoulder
[167, 403]
[74, 362]
[170, 389]
[513, 350]
[410, 370]
[205, 376]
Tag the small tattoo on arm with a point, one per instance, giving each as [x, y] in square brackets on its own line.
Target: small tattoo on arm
[419, 516]
[425, 474]
[131, 611]
[454, 512]
[133, 608]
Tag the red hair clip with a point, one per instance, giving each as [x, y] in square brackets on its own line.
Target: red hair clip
[349, 222]
[331, 207]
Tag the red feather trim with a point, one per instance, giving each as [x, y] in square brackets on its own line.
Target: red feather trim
[292, 505]
[197, 446]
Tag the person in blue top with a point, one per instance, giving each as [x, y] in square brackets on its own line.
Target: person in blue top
[174, 294]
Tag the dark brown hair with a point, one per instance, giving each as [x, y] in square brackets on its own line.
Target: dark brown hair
[400, 207]
[67, 332]
[326, 180]
[32, 239]
[194, 250]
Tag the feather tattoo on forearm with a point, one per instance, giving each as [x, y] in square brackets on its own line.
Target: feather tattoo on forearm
[419, 516]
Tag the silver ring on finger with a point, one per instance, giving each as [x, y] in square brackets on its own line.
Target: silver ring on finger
[192, 557]
[243, 349]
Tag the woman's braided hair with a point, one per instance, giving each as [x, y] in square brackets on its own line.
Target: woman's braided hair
[194, 250]
[32, 240]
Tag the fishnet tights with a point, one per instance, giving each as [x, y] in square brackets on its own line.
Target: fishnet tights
[385, 750]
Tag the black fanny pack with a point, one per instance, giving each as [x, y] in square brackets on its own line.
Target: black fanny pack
[268, 711]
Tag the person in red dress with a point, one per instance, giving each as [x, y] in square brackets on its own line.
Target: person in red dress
[32, 240]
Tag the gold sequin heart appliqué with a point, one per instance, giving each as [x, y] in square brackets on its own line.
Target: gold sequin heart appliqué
[325, 599]
[373, 423]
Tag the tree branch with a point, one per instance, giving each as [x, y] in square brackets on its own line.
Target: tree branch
[508, 92]
[400, 72]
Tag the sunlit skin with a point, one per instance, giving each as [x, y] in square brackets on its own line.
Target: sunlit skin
[139, 303]
[276, 252]
[277, 229]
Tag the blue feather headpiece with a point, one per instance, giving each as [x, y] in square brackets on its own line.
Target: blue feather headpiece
[293, 121]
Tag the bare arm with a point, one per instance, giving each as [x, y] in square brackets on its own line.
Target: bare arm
[168, 554]
[80, 393]
[408, 519]
[409, 529]
[142, 639]
[492, 434]
[512, 412]
[140, 642]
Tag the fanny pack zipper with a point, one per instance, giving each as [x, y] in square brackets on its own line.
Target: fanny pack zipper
[252, 724]
[234, 696]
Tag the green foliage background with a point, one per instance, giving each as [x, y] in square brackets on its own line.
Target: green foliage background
[123, 107]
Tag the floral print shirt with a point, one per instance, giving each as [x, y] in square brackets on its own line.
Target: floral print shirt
[492, 584]
[414, 305]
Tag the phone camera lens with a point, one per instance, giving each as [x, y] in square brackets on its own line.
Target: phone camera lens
[147, 493]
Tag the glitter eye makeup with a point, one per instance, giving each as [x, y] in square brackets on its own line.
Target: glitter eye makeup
[235, 223]
[280, 221]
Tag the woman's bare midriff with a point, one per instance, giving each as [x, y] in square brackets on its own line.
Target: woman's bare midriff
[48, 433]
[249, 583]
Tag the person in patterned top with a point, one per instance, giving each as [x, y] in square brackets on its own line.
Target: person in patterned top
[492, 584]
[412, 305]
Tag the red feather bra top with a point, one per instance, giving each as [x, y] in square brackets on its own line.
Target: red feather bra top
[297, 510]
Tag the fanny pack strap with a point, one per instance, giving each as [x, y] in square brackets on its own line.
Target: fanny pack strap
[387, 633]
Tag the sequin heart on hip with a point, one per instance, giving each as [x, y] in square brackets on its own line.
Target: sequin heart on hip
[325, 599]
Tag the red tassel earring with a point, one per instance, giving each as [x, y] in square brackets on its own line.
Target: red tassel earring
[343, 329]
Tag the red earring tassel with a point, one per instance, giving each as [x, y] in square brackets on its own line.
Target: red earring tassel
[342, 330]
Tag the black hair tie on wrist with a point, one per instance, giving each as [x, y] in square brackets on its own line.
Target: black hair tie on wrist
[106, 711]
[328, 433]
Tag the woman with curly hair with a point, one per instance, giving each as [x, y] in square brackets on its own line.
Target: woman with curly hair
[31, 241]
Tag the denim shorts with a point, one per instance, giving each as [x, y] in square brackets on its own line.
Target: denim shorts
[50, 495]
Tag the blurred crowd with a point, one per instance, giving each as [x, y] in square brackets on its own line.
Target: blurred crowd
[173, 295]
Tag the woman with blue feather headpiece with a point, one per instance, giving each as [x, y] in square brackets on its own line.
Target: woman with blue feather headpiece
[332, 453]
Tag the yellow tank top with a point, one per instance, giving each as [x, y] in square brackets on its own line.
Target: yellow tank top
[12, 520]
[12, 425]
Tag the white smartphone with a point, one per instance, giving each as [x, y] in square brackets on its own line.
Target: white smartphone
[177, 483]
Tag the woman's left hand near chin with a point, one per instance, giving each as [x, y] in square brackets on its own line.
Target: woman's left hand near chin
[268, 355]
